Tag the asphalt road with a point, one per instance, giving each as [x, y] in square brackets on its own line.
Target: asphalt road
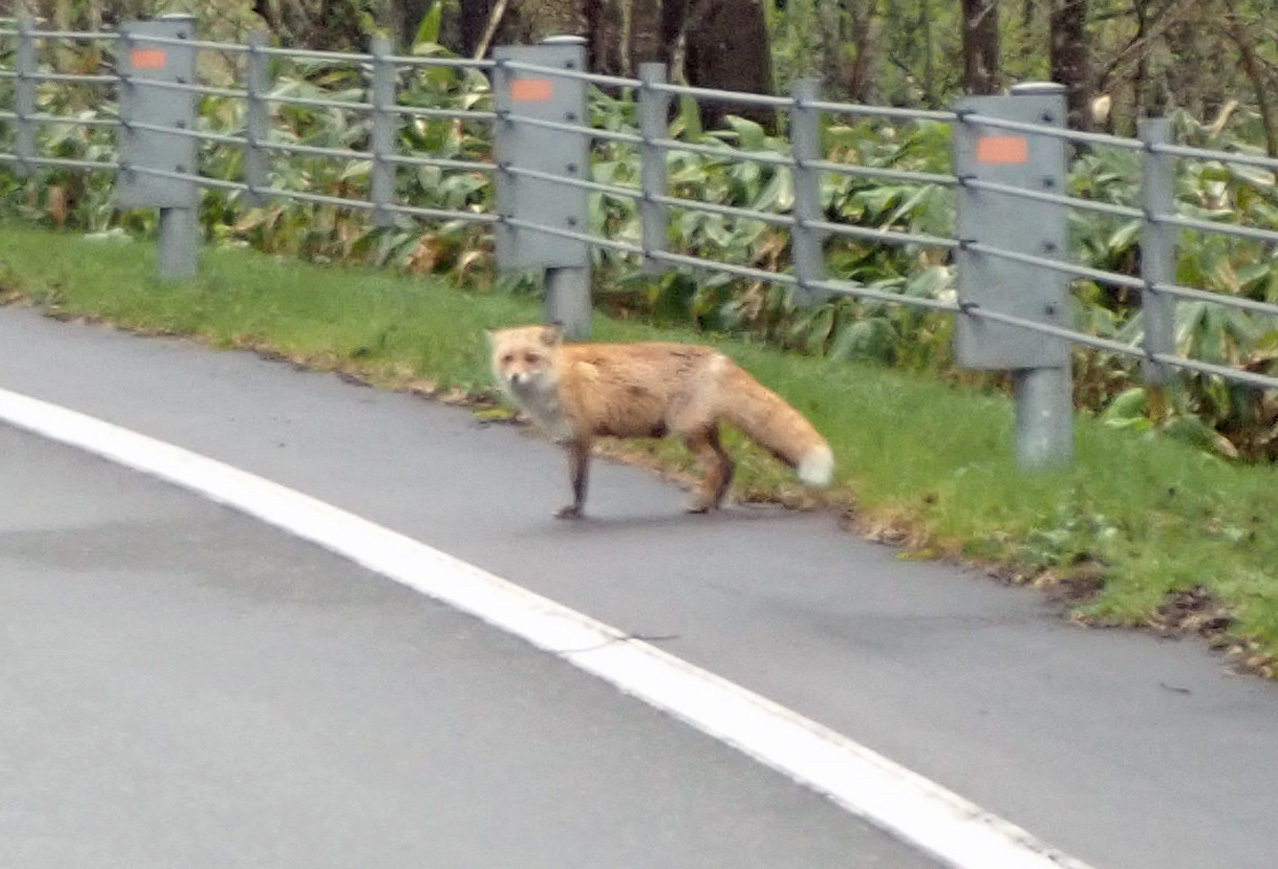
[1126, 751]
[183, 686]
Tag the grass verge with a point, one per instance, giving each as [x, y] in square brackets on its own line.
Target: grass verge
[1141, 531]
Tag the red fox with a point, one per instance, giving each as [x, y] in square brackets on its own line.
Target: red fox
[577, 392]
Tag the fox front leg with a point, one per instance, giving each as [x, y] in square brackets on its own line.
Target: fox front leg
[578, 471]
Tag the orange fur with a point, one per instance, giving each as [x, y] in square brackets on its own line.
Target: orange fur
[577, 392]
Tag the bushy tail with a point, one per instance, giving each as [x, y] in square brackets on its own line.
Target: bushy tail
[771, 422]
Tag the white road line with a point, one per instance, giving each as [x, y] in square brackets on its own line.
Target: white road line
[910, 807]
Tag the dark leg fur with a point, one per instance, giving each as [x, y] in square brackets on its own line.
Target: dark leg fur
[578, 472]
[718, 469]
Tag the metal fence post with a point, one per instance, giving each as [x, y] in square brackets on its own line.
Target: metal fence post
[1157, 247]
[568, 297]
[141, 63]
[525, 203]
[382, 181]
[806, 243]
[1044, 417]
[179, 255]
[25, 98]
[180, 225]
[1040, 365]
[257, 118]
[654, 110]
[1045, 395]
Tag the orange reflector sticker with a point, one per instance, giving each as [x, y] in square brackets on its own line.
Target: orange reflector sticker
[149, 58]
[531, 90]
[1002, 149]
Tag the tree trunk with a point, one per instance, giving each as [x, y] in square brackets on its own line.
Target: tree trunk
[929, 82]
[728, 49]
[523, 22]
[1140, 79]
[645, 44]
[981, 66]
[1251, 66]
[337, 27]
[604, 30]
[673, 14]
[625, 33]
[471, 21]
[1071, 58]
[856, 77]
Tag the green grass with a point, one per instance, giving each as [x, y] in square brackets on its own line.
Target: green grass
[923, 462]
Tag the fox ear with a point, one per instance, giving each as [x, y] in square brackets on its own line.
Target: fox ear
[552, 335]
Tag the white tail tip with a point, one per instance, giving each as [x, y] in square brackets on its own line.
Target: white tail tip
[817, 467]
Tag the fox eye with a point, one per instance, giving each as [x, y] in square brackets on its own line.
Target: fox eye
[532, 358]
[508, 358]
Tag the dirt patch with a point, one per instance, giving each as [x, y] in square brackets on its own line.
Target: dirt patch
[1081, 584]
[1191, 611]
[1195, 611]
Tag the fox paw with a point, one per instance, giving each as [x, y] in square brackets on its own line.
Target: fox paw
[572, 511]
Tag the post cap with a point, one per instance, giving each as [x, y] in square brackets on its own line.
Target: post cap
[1037, 88]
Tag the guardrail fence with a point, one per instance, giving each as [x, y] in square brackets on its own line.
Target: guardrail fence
[1008, 245]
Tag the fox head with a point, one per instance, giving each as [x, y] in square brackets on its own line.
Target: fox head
[523, 357]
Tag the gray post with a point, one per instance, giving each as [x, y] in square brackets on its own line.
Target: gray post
[568, 300]
[25, 98]
[1044, 417]
[526, 205]
[257, 118]
[382, 183]
[180, 224]
[140, 64]
[1045, 396]
[179, 243]
[1157, 248]
[654, 108]
[1042, 378]
[806, 243]
[568, 296]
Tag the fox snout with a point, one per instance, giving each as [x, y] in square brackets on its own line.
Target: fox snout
[522, 380]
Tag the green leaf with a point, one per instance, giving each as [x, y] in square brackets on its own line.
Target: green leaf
[929, 283]
[356, 169]
[690, 117]
[871, 338]
[1130, 404]
[1193, 430]
[428, 31]
[1254, 175]
[1124, 237]
[907, 207]
[750, 135]
[1253, 272]
[841, 137]
[878, 199]
[778, 193]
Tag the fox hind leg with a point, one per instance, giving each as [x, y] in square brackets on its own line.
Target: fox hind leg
[578, 472]
[718, 468]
